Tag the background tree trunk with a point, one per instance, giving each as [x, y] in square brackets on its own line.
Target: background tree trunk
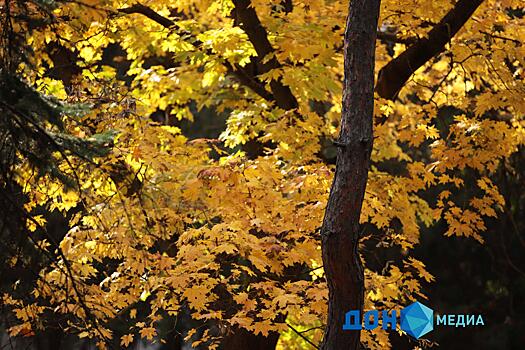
[242, 339]
[340, 230]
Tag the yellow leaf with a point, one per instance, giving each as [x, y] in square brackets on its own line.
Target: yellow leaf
[126, 340]
[148, 333]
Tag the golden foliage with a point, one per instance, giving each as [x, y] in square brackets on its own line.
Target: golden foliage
[222, 234]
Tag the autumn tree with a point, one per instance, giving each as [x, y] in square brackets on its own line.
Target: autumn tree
[227, 231]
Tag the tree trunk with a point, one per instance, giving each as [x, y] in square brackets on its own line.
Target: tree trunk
[340, 230]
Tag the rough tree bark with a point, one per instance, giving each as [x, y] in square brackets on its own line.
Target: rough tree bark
[340, 230]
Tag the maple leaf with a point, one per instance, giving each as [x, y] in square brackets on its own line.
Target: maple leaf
[148, 333]
[127, 339]
[198, 297]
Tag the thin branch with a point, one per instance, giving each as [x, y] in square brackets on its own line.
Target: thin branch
[311, 329]
[501, 37]
[302, 336]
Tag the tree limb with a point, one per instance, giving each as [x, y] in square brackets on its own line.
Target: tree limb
[249, 81]
[239, 72]
[395, 74]
[148, 12]
[246, 16]
[392, 37]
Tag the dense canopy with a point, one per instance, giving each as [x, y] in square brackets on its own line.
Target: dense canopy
[188, 147]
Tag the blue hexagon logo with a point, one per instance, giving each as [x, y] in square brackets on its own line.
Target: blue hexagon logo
[417, 319]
